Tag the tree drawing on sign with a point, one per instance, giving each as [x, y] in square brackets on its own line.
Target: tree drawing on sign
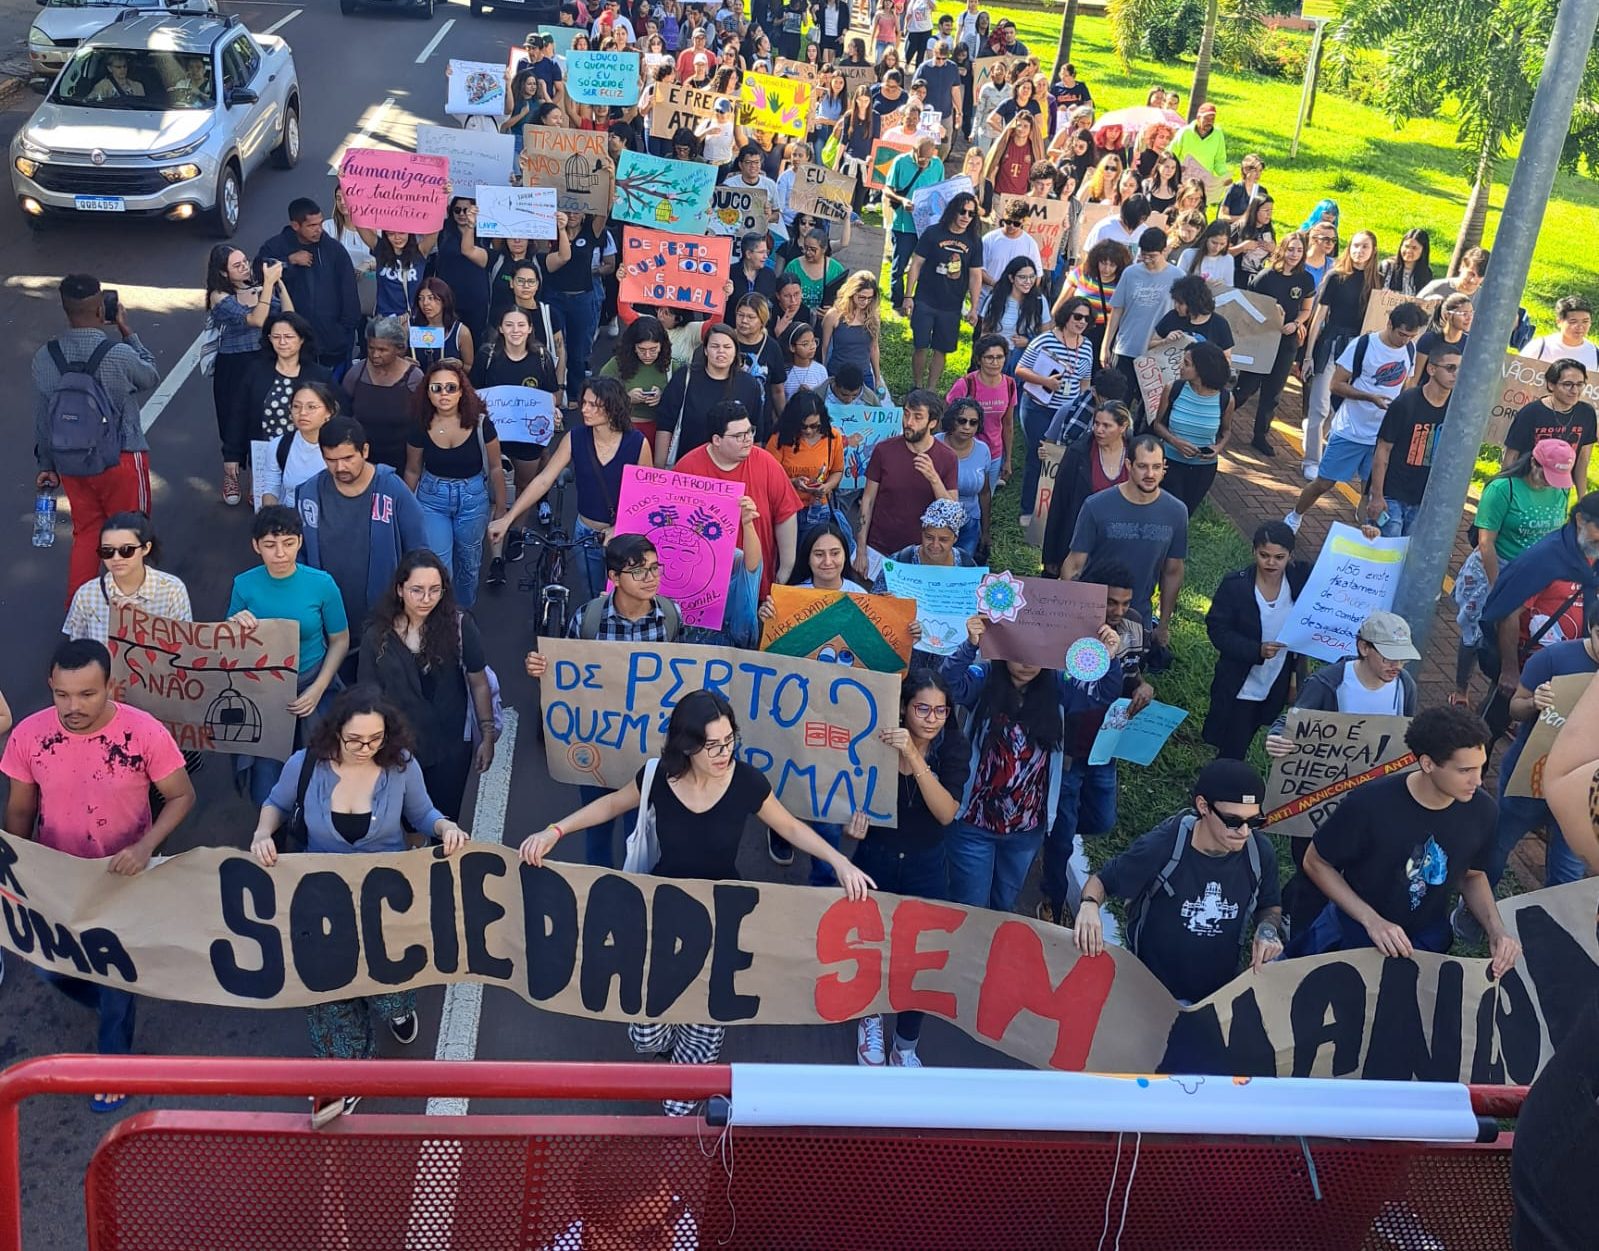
[655, 192]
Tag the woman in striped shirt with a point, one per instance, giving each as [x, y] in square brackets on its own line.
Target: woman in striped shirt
[1194, 422]
[128, 550]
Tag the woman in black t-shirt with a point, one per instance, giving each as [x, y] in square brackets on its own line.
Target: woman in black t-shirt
[1253, 238]
[571, 281]
[701, 797]
[1340, 310]
[1285, 280]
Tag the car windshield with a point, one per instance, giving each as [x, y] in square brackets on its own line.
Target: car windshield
[103, 4]
[136, 78]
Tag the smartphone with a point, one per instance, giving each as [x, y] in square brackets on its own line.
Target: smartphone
[1207, 450]
[111, 302]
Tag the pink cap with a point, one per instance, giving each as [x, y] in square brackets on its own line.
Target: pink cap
[1555, 458]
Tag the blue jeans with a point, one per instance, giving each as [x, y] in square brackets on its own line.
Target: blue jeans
[1518, 816]
[987, 870]
[1401, 516]
[593, 560]
[599, 841]
[821, 872]
[455, 517]
[116, 1008]
[1035, 420]
[582, 313]
[1087, 806]
[261, 773]
[1335, 930]
[904, 248]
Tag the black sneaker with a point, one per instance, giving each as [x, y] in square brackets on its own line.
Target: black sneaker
[1263, 446]
[404, 1028]
[781, 853]
[514, 546]
[496, 571]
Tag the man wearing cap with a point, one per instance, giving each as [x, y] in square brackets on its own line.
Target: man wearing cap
[542, 61]
[1405, 441]
[1196, 885]
[695, 59]
[1394, 851]
[1203, 140]
[610, 20]
[1005, 243]
[943, 90]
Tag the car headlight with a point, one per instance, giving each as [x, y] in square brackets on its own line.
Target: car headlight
[26, 167]
[38, 39]
[172, 154]
[180, 173]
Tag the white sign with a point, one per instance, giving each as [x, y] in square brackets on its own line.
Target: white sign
[739, 211]
[1354, 577]
[516, 212]
[521, 414]
[476, 157]
[475, 87]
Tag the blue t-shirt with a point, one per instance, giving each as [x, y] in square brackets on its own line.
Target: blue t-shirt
[1555, 661]
[308, 596]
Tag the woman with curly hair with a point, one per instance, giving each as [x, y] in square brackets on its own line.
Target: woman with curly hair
[850, 329]
[1095, 279]
[643, 365]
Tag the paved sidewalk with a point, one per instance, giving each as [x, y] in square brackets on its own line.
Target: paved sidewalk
[15, 18]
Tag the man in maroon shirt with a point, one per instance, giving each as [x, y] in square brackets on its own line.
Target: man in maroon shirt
[903, 477]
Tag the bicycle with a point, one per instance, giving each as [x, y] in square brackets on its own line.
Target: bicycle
[547, 575]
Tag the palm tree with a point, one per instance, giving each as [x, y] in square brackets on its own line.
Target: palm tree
[1063, 49]
[1207, 42]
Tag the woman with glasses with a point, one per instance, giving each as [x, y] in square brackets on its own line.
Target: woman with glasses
[355, 788]
[997, 395]
[819, 274]
[851, 328]
[1562, 414]
[1094, 461]
[1100, 186]
[435, 310]
[1054, 371]
[1321, 251]
[702, 796]
[908, 858]
[974, 479]
[1451, 326]
[789, 310]
[426, 656]
[452, 465]
[237, 309]
[1014, 309]
[811, 453]
[296, 456]
[129, 551]
[287, 358]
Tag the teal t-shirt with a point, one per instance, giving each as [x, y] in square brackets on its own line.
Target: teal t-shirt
[1519, 514]
[307, 596]
[901, 174]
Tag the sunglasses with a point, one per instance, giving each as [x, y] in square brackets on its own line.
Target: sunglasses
[443, 388]
[1230, 821]
[127, 551]
[972, 422]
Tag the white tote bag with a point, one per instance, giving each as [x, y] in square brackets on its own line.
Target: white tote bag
[643, 846]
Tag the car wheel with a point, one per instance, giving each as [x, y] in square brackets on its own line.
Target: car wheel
[348, 7]
[427, 10]
[477, 8]
[224, 218]
[287, 154]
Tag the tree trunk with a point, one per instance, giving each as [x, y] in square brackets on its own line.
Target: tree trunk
[1476, 218]
[1207, 41]
[1063, 50]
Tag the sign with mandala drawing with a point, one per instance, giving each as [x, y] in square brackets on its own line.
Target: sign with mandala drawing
[694, 524]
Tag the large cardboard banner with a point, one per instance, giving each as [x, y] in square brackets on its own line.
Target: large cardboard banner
[945, 595]
[679, 105]
[822, 192]
[655, 191]
[694, 524]
[574, 162]
[475, 88]
[1334, 752]
[779, 106]
[1353, 577]
[1047, 222]
[395, 190]
[216, 685]
[214, 927]
[675, 271]
[478, 158]
[516, 212]
[840, 628]
[1381, 302]
[863, 429]
[811, 728]
[1158, 370]
[1257, 326]
[1521, 382]
[603, 77]
[1527, 780]
[983, 73]
[521, 414]
[1050, 615]
[1049, 458]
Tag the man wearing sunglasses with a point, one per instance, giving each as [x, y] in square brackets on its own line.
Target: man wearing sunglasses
[1195, 884]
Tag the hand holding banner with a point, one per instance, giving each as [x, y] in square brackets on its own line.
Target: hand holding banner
[841, 628]
[1334, 752]
[655, 191]
[1048, 617]
[516, 212]
[674, 270]
[603, 77]
[477, 157]
[521, 414]
[474, 88]
[1136, 739]
[945, 595]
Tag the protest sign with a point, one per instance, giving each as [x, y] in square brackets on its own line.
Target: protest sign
[216, 685]
[1091, 216]
[840, 628]
[694, 524]
[213, 927]
[1334, 752]
[516, 212]
[884, 153]
[520, 414]
[1049, 458]
[822, 192]
[1215, 185]
[475, 87]
[678, 105]
[1353, 578]
[779, 106]
[1045, 618]
[574, 162]
[478, 158]
[786, 68]
[983, 73]
[928, 203]
[1527, 779]
[863, 429]
[1257, 326]
[1136, 739]
[737, 211]
[603, 77]
[1522, 382]
[263, 458]
[564, 37]
[1158, 370]
[660, 268]
[394, 190]
[855, 76]
[656, 191]
[811, 728]
[429, 338]
[1381, 302]
[1047, 223]
[945, 595]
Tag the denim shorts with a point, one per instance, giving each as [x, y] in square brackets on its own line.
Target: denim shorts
[936, 328]
[1344, 460]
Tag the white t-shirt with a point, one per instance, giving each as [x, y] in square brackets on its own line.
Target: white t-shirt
[998, 252]
[1353, 695]
[1111, 228]
[1550, 348]
[1273, 617]
[1216, 270]
[1383, 371]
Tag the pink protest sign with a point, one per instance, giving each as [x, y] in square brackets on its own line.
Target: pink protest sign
[694, 524]
[395, 190]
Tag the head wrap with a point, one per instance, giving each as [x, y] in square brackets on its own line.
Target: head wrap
[945, 513]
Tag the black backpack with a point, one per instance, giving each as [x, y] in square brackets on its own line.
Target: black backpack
[1138, 909]
[85, 424]
[1360, 363]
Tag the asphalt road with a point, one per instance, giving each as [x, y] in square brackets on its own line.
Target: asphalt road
[348, 68]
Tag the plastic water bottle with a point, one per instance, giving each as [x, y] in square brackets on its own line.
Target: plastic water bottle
[44, 519]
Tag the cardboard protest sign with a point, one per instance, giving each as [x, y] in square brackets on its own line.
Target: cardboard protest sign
[1136, 739]
[945, 595]
[516, 212]
[856, 76]
[1215, 184]
[840, 628]
[928, 203]
[574, 162]
[1353, 577]
[395, 190]
[811, 728]
[1382, 302]
[1334, 752]
[884, 153]
[983, 73]
[786, 68]
[216, 685]
[863, 429]
[656, 191]
[1158, 370]
[1047, 222]
[1257, 325]
[694, 524]
[776, 105]
[1046, 618]
[1049, 458]
[1527, 780]
[521, 414]
[478, 158]
[475, 87]
[603, 77]
[673, 270]
[737, 211]
[822, 192]
[1091, 216]
[1522, 382]
[678, 105]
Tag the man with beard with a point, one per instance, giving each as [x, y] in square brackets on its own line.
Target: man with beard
[904, 475]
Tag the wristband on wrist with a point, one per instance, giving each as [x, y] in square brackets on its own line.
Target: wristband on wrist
[559, 832]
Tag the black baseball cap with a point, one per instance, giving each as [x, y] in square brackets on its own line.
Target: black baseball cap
[1225, 781]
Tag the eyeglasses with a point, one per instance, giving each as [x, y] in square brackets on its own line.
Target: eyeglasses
[127, 551]
[726, 747]
[443, 388]
[460, 210]
[739, 435]
[362, 744]
[972, 422]
[1230, 821]
[524, 282]
[993, 356]
[424, 592]
[1570, 384]
[930, 712]
[644, 573]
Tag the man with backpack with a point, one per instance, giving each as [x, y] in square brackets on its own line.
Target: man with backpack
[1195, 886]
[88, 434]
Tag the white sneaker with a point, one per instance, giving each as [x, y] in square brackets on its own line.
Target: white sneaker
[900, 1059]
[869, 1042]
[1293, 521]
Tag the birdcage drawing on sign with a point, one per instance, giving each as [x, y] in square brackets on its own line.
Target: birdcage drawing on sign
[233, 718]
[579, 174]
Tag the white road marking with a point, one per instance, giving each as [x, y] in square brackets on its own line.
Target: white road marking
[282, 22]
[434, 42]
[171, 384]
[365, 133]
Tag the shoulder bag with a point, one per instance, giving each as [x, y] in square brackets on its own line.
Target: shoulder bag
[643, 844]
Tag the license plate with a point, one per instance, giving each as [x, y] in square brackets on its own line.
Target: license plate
[100, 203]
